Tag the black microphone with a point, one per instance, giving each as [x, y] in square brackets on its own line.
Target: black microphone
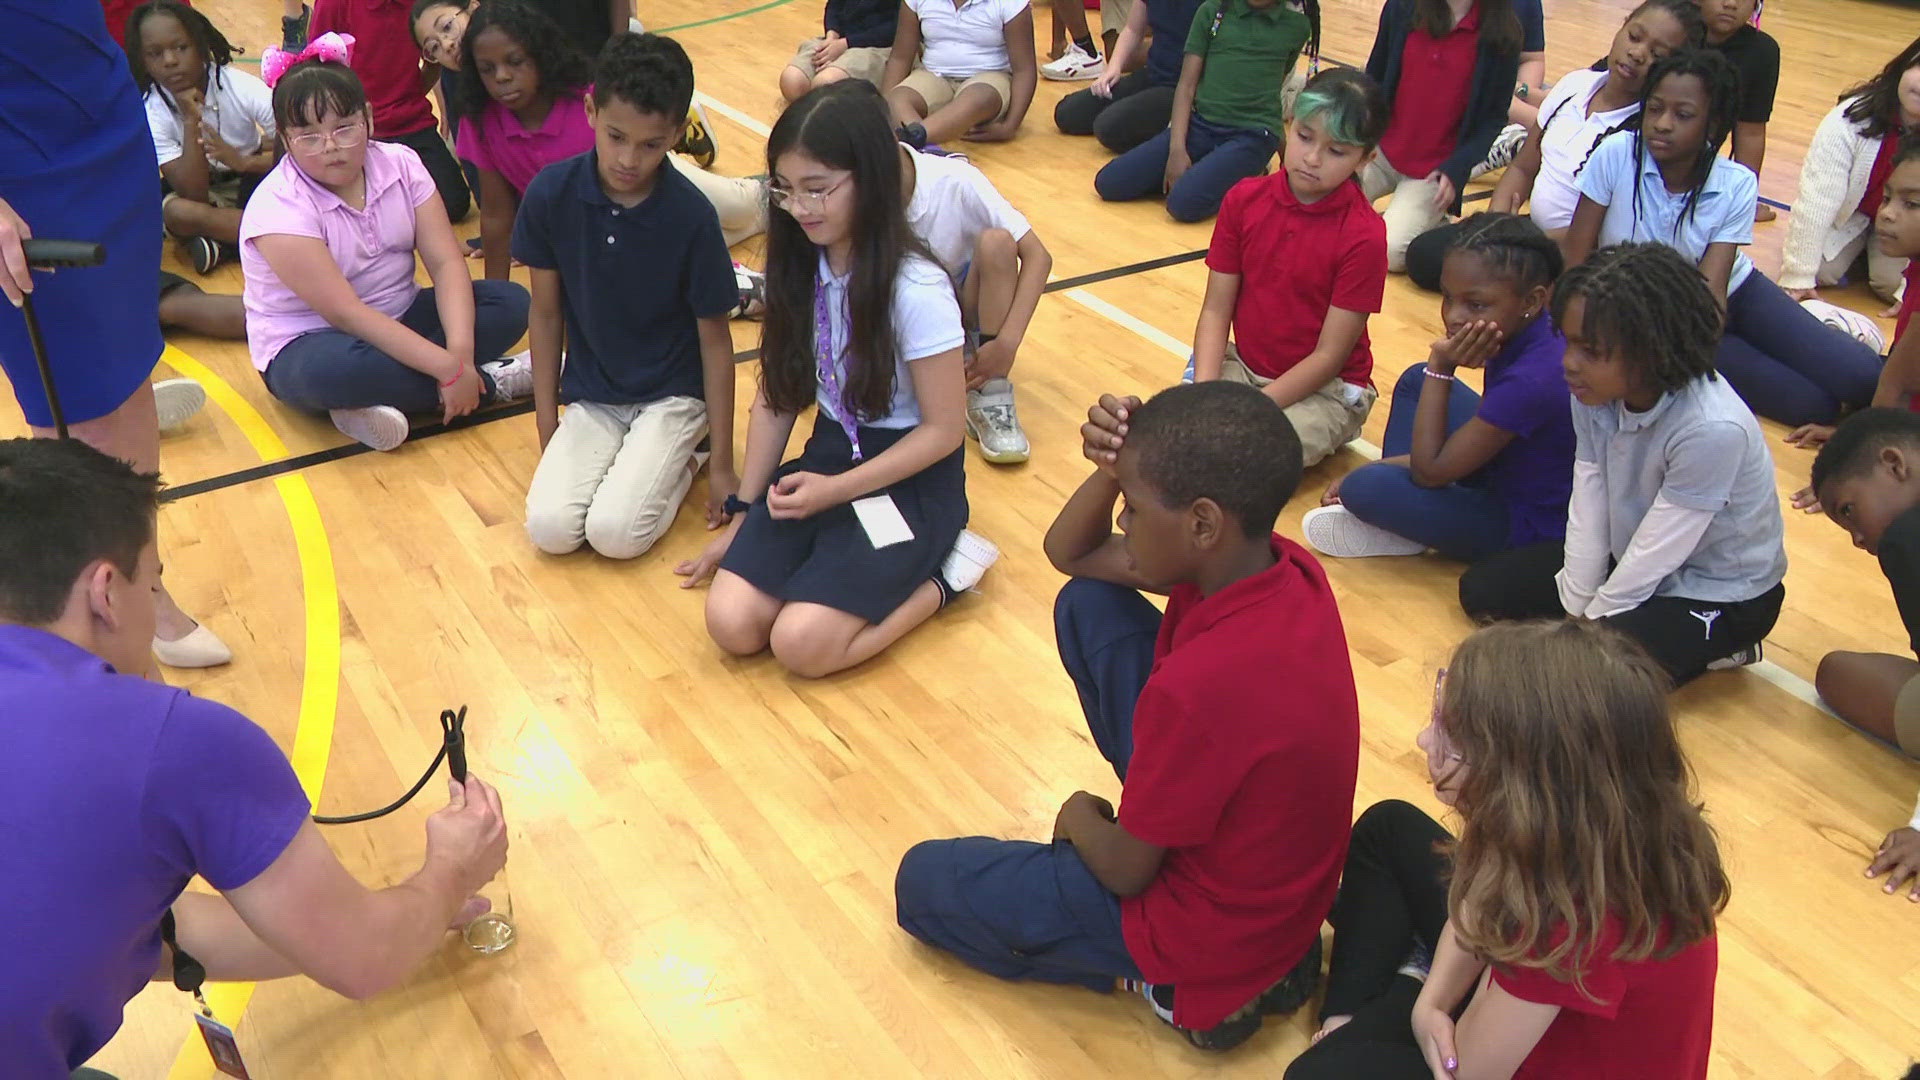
[454, 727]
[61, 254]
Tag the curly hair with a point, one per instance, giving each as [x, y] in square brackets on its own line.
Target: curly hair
[1513, 246]
[215, 50]
[1648, 305]
[647, 71]
[1576, 802]
[1221, 441]
[1858, 441]
[560, 65]
[1876, 103]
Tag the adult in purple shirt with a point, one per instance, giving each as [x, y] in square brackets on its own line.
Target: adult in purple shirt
[115, 791]
[1464, 474]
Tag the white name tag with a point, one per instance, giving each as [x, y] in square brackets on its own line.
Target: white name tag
[882, 520]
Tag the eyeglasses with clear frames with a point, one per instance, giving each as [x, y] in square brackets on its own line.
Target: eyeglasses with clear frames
[1439, 693]
[805, 202]
[349, 134]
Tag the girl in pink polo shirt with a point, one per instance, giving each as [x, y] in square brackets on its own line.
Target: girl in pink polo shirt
[522, 107]
[335, 320]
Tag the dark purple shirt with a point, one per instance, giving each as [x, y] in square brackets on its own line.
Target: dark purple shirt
[1526, 394]
[114, 791]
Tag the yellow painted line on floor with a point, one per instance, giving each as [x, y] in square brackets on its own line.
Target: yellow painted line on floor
[320, 681]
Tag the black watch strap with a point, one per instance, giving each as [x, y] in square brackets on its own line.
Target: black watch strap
[736, 505]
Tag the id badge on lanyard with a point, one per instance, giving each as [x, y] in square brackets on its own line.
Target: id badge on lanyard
[827, 368]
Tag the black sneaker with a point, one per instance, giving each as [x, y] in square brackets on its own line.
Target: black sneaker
[1282, 998]
[203, 253]
[914, 135]
[293, 32]
[1293, 990]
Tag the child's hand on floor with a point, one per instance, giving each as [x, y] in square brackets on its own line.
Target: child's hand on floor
[1806, 500]
[701, 567]
[1810, 436]
[722, 484]
[997, 131]
[1471, 346]
[1332, 495]
[1106, 430]
[1899, 859]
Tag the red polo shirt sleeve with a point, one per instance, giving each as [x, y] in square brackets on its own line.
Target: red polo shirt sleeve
[1181, 775]
[1360, 274]
[1224, 250]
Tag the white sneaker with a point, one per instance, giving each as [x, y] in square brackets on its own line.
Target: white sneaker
[967, 563]
[177, 401]
[1506, 146]
[381, 427]
[991, 419]
[1333, 530]
[512, 377]
[1074, 65]
[1862, 328]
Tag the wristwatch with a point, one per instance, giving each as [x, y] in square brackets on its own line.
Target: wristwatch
[735, 505]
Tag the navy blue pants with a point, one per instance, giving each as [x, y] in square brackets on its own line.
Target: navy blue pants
[1786, 364]
[332, 369]
[1222, 157]
[1021, 910]
[1465, 520]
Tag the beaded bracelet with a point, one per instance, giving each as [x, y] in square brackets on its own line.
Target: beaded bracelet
[1432, 374]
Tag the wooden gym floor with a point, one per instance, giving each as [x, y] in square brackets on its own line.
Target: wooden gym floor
[703, 848]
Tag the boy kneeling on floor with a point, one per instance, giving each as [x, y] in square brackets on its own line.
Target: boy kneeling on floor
[1231, 721]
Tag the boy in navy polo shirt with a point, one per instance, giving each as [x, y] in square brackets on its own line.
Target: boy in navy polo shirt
[1231, 721]
[1297, 263]
[631, 277]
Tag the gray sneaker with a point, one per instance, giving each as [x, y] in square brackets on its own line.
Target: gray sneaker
[512, 377]
[991, 420]
[1506, 146]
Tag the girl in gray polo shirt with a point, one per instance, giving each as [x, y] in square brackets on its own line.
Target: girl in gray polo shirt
[1673, 532]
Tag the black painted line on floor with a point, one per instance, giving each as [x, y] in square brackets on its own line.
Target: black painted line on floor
[284, 466]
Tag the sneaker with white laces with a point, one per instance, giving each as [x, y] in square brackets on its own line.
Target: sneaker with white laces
[1746, 657]
[992, 421]
[512, 377]
[1335, 531]
[1861, 328]
[1506, 146]
[967, 563]
[379, 427]
[177, 401]
[1074, 65]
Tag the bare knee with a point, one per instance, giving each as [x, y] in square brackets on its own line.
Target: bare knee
[830, 75]
[735, 627]
[793, 83]
[809, 647]
[997, 249]
[180, 215]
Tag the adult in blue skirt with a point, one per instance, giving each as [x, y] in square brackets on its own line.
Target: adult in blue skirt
[76, 163]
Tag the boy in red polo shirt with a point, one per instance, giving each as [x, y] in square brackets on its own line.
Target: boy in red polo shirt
[388, 63]
[1298, 262]
[1231, 721]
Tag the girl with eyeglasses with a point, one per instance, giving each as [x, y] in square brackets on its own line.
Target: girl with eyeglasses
[843, 550]
[1568, 929]
[335, 321]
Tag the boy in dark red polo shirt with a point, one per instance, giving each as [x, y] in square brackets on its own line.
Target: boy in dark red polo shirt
[1231, 720]
[1298, 262]
[388, 63]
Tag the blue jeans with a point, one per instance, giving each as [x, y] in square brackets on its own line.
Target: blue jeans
[1786, 364]
[331, 369]
[1020, 910]
[1464, 520]
[1222, 157]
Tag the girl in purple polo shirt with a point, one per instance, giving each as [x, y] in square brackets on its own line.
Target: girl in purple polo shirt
[335, 320]
[1466, 474]
[522, 107]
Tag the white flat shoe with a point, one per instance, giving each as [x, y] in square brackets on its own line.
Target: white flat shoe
[177, 401]
[381, 427]
[1333, 530]
[200, 649]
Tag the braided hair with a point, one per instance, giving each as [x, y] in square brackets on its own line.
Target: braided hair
[1649, 306]
[214, 48]
[1513, 247]
[1684, 12]
[1722, 82]
[561, 65]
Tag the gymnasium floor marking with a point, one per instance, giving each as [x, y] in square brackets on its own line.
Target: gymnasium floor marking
[320, 671]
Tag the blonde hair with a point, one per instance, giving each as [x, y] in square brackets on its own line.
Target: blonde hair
[1577, 802]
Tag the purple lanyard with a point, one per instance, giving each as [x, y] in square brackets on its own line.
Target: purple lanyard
[825, 356]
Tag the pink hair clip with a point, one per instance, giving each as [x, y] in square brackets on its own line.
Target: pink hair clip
[327, 48]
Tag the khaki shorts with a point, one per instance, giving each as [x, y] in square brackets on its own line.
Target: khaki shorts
[868, 64]
[938, 90]
[1906, 717]
[1325, 420]
[1113, 15]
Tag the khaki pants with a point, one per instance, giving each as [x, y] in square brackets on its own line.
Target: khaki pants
[740, 203]
[614, 475]
[938, 90]
[1325, 420]
[867, 64]
[1409, 212]
[1113, 16]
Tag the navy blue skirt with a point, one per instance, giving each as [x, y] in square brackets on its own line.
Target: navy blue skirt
[76, 163]
[827, 559]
